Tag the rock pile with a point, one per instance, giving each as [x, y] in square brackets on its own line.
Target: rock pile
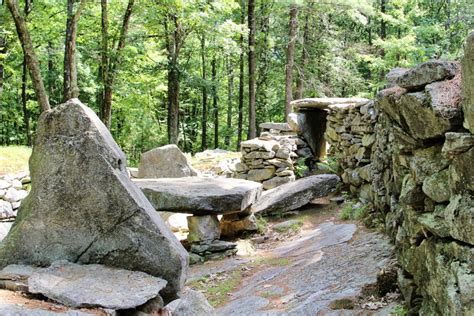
[13, 189]
[271, 159]
[350, 134]
[423, 181]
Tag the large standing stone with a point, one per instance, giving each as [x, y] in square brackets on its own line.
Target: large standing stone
[426, 73]
[165, 162]
[94, 285]
[293, 195]
[200, 196]
[468, 83]
[84, 208]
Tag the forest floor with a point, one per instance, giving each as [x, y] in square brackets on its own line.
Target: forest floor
[324, 267]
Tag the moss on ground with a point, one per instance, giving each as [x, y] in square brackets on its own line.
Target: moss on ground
[217, 287]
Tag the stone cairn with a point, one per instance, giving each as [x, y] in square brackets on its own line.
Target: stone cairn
[271, 158]
[350, 134]
[423, 182]
[13, 189]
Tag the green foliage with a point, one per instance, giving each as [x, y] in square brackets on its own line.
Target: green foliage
[348, 57]
[352, 211]
[301, 167]
[330, 165]
[217, 287]
[262, 224]
[399, 310]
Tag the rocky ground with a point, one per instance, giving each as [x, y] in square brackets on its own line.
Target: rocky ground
[311, 264]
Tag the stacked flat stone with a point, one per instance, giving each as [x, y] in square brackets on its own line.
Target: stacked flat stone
[350, 134]
[423, 182]
[13, 189]
[270, 159]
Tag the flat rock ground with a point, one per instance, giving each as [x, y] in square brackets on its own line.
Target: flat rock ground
[327, 263]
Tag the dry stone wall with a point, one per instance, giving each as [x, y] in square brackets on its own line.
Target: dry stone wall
[13, 189]
[271, 158]
[423, 182]
[350, 134]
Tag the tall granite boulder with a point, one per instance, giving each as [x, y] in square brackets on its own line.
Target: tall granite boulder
[84, 208]
[468, 83]
[165, 162]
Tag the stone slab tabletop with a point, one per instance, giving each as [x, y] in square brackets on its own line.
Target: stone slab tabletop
[199, 195]
[326, 103]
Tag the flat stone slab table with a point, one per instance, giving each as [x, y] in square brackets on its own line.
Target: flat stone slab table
[199, 195]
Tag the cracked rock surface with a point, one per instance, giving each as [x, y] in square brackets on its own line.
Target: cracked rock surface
[83, 207]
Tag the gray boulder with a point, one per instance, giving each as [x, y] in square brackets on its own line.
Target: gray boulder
[165, 162]
[190, 303]
[203, 228]
[84, 208]
[293, 195]
[94, 285]
[426, 73]
[200, 196]
[468, 83]
[325, 103]
[393, 75]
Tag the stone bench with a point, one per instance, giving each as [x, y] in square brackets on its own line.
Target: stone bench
[205, 198]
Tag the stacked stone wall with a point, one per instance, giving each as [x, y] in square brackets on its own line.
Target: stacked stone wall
[13, 189]
[271, 159]
[423, 182]
[350, 134]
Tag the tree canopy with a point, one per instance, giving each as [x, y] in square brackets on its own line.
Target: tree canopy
[179, 69]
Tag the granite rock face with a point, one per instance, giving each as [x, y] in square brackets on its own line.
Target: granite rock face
[94, 285]
[165, 162]
[426, 73]
[83, 207]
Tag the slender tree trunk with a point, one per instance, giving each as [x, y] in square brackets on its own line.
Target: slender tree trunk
[204, 95]
[173, 84]
[263, 51]
[252, 132]
[104, 56]
[3, 46]
[29, 53]
[383, 26]
[215, 105]
[304, 59]
[113, 65]
[26, 115]
[290, 58]
[70, 88]
[230, 97]
[241, 81]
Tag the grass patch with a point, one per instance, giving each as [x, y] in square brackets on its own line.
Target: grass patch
[351, 212]
[293, 225]
[216, 287]
[269, 294]
[274, 262]
[399, 310]
[14, 159]
[343, 303]
[262, 224]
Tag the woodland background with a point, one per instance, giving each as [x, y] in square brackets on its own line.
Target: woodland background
[205, 73]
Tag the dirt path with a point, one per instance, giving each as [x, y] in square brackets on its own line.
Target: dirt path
[327, 261]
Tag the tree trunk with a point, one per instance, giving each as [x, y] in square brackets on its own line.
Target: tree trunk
[241, 81]
[70, 88]
[290, 58]
[252, 132]
[263, 52]
[104, 56]
[304, 59]
[113, 65]
[173, 84]
[29, 53]
[214, 102]
[26, 115]
[230, 97]
[204, 95]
